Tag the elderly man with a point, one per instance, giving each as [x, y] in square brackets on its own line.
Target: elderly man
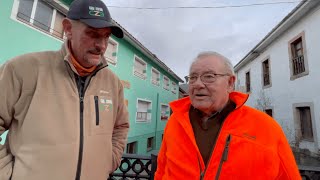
[213, 135]
[65, 109]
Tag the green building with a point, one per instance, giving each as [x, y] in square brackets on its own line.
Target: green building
[35, 25]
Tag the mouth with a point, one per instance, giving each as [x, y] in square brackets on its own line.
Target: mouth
[94, 53]
[200, 95]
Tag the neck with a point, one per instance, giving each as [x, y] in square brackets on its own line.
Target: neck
[211, 113]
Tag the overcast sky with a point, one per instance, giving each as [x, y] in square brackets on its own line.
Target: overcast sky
[177, 35]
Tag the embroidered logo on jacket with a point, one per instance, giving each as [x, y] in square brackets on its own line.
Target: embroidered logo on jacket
[105, 104]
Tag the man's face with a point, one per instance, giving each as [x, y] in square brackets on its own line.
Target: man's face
[88, 44]
[210, 97]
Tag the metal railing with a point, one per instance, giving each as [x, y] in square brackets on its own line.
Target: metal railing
[140, 167]
[298, 65]
[135, 167]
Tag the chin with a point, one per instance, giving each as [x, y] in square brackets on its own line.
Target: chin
[94, 62]
[200, 106]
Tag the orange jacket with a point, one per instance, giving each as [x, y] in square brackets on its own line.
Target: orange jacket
[250, 145]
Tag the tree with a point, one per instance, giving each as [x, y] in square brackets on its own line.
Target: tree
[263, 101]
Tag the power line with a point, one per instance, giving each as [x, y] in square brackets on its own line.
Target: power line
[191, 7]
[207, 7]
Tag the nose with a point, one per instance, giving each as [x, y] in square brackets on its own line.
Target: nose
[101, 43]
[198, 83]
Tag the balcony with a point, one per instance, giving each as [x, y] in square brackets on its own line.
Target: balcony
[298, 65]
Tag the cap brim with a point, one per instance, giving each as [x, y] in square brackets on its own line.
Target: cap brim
[97, 23]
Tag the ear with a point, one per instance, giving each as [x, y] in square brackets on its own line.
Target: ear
[67, 26]
[231, 83]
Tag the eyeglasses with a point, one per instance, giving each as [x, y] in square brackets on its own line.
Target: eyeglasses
[205, 78]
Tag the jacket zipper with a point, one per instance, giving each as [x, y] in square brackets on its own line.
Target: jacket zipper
[96, 104]
[202, 173]
[224, 157]
[81, 89]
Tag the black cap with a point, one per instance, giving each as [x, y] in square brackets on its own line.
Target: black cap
[93, 13]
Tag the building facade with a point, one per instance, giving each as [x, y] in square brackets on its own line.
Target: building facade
[281, 74]
[35, 25]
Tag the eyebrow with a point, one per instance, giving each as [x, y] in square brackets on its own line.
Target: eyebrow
[205, 72]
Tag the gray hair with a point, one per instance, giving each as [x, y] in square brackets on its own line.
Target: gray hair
[226, 61]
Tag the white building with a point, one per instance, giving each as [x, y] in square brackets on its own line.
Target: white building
[282, 75]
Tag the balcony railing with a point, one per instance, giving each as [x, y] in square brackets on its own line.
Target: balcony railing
[135, 167]
[298, 65]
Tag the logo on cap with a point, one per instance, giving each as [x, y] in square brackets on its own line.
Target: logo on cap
[96, 11]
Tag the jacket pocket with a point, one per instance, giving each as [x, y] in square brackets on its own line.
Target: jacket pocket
[96, 105]
[102, 111]
[248, 158]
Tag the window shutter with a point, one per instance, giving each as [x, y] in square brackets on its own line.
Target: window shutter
[149, 116]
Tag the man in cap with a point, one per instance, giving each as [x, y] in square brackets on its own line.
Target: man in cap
[64, 109]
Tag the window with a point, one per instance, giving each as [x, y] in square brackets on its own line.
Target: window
[305, 123]
[111, 52]
[155, 77]
[266, 72]
[150, 143]
[298, 57]
[41, 15]
[140, 68]
[174, 88]
[58, 28]
[166, 82]
[143, 111]
[165, 112]
[132, 148]
[269, 112]
[248, 88]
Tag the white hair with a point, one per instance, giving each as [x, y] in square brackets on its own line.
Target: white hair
[226, 61]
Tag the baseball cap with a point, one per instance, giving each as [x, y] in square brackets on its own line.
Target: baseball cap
[93, 13]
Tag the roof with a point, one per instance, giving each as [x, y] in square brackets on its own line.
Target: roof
[184, 88]
[127, 36]
[133, 41]
[303, 8]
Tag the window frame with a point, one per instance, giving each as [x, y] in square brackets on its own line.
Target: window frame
[297, 122]
[305, 57]
[248, 90]
[164, 85]
[135, 72]
[269, 109]
[135, 147]
[150, 148]
[174, 87]
[263, 73]
[109, 60]
[149, 114]
[57, 8]
[157, 81]
[168, 110]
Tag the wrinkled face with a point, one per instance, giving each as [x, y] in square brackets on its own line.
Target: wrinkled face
[87, 44]
[210, 97]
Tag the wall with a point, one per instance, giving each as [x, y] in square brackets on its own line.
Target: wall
[284, 93]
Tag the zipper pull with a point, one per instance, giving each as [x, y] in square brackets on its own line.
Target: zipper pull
[81, 98]
[201, 175]
[226, 151]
